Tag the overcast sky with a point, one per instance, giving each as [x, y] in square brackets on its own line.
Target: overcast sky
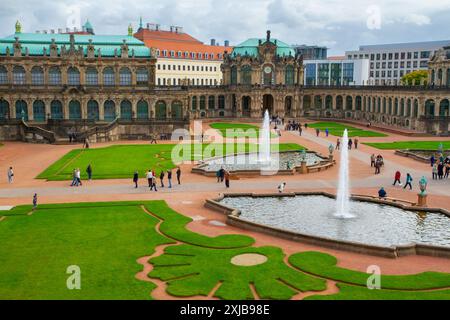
[338, 24]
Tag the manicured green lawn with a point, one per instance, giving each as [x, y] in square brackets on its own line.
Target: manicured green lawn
[106, 239]
[403, 145]
[121, 161]
[238, 130]
[103, 240]
[337, 129]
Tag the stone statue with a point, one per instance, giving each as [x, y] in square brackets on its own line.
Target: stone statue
[423, 185]
[331, 149]
[303, 155]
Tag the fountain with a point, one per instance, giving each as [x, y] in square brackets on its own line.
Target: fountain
[343, 194]
[264, 140]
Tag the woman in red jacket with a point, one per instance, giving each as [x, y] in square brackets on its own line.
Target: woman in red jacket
[397, 178]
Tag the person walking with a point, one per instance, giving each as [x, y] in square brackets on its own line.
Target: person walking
[169, 178]
[434, 171]
[350, 144]
[377, 166]
[227, 179]
[222, 174]
[317, 132]
[432, 160]
[327, 132]
[74, 178]
[397, 178]
[218, 175]
[372, 160]
[10, 175]
[440, 168]
[447, 170]
[78, 174]
[409, 180]
[153, 183]
[135, 179]
[338, 144]
[35, 201]
[179, 175]
[300, 130]
[89, 172]
[161, 178]
[356, 143]
[149, 177]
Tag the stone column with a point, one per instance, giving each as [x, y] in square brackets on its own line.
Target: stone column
[30, 108]
[101, 109]
[134, 102]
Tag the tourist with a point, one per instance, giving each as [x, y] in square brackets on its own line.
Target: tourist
[218, 175]
[447, 169]
[74, 178]
[434, 171]
[356, 143]
[35, 201]
[317, 132]
[153, 182]
[306, 126]
[222, 174]
[397, 178]
[10, 175]
[350, 143]
[377, 165]
[327, 132]
[89, 172]
[409, 179]
[169, 178]
[149, 178]
[440, 168]
[372, 160]
[179, 175]
[161, 178]
[227, 179]
[338, 144]
[86, 143]
[281, 187]
[300, 130]
[136, 179]
[382, 193]
[153, 139]
[78, 175]
[432, 160]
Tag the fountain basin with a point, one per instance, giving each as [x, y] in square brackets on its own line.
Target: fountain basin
[381, 227]
[249, 164]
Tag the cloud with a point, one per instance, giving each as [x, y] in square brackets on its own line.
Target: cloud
[418, 19]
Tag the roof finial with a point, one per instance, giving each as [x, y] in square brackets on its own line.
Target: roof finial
[130, 30]
[140, 22]
[268, 35]
[18, 27]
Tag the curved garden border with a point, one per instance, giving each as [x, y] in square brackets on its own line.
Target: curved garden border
[324, 164]
[409, 153]
[233, 219]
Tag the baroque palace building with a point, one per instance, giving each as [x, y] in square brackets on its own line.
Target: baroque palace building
[103, 87]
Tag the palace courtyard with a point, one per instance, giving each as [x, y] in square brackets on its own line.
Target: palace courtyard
[133, 243]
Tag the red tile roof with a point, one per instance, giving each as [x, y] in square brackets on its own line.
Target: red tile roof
[179, 42]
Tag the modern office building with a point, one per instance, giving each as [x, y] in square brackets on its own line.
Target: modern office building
[390, 62]
[182, 59]
[311, 52]
[336, 71]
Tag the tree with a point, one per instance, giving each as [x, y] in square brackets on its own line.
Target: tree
[415, 77]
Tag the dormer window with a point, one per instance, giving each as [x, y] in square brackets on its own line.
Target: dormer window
[186, 54]
[192, 55]
[158, 52]
[165, 53]
[180, 54]
[172, 53]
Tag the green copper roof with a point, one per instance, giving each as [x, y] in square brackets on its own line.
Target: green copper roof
[88, 25]
[250, 48]
[36, 42]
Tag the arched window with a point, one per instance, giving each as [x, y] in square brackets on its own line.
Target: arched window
[349, 102]
[340, 102]
[233, 79]
[93, 110]
[125, 77]
[202, 102]
[211, 102]
[396, 106]
[402, 107]
[358, 103]
[444, 108]
[91, 76]
[56, 110]
[38, 110]
[142, 76]
[221, 102]
[73, 77]
[161, 110]
[37, 76]
[246, 74]
[74, 110]
[21, 110]
[429, 107]
[54, 76]
[18, 75]
[108, 77]
[408, 108]
[194, 103]
[142, 110]
[4, 109]
[290, 77]
[125, 110]
[177, 110]
[109, 110]
[3, 75]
